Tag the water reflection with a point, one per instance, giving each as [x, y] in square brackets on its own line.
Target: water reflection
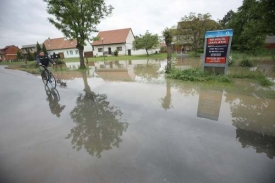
[166, 102]
[147, 71]
[254, 119]
[261, 142]
[209, 104]
[53, 98]
[98, 123]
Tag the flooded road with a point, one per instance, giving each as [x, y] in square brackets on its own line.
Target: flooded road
[124, 122]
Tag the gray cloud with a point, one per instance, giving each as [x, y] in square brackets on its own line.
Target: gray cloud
[26, 21]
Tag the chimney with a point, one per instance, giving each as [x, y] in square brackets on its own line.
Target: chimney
[49, 39]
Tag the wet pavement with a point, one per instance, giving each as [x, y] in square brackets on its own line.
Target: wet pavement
[124, 122]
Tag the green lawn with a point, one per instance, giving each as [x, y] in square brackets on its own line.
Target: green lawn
[121, 57]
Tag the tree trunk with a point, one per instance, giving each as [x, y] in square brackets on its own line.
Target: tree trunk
[147, 52]
[81, 57]
[87, 88]
[169, 53]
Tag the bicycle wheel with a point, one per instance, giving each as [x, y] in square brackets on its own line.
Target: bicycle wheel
[52, 81]
[45, 76]
[47, 90]
[55, 94]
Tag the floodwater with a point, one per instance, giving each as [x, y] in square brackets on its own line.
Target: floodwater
[122, 121]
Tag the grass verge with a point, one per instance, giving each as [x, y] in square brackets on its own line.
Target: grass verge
[195, 74]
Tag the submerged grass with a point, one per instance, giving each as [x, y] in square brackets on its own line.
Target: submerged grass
[195, 74]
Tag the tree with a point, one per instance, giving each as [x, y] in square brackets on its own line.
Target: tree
[226, 19]
[30, 56]
[44, 49]
[249, 26]
[253, 21]
[147, 41]
[19, 55]
[268, 15]
[38, 47]
[77, 19]
[191, 29]
[168, 38]
[98, 123]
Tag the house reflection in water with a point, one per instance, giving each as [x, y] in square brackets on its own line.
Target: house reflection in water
[115, 71]
[209, 104]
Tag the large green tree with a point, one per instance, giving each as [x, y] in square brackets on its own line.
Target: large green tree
[147, 41]
[77, 19]
[253, 21]
[192, 28]
[248, 26]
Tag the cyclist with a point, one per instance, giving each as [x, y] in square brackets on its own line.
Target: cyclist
[43, 59]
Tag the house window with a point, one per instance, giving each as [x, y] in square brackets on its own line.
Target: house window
[76, 52]
[71, 52]
[67, 52]
[119, 48]
[100, 50]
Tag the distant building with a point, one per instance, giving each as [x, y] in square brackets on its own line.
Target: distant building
[120, 40]
[270, 42]
[28, 48]
[66, 48]
[9, 53]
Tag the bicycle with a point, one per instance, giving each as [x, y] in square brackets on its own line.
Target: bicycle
[48, 77]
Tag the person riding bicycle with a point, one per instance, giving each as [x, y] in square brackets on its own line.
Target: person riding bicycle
[43, 59]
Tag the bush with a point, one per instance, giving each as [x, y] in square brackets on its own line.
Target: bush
[193, 54]
[32, 65]
[273, 54]
[200, 51]
[116, 53]
[264, 81]
[163, 49]
[246, 63]
[197, 75]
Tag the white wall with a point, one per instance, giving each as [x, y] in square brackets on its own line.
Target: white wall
[106, 48]
[72, 52]
[68, 53]
[88, 47]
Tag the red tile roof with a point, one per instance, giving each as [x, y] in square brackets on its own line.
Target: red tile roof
[113, 36]
[59, 43]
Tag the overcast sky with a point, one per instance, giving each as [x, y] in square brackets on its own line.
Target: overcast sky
[24, 22]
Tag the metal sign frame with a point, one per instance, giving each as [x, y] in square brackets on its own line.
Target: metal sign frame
[216, 34]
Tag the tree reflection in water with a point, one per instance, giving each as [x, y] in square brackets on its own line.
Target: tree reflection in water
[262, 143]
[254, 119]
[148, 72]
[166, 102]
[98, 124]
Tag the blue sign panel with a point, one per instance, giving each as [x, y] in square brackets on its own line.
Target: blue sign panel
[219, 33]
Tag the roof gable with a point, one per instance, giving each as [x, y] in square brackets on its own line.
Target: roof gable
[59, 43]
[113, 36]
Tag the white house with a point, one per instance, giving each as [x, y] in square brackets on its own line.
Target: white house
[66, 48]
[120, 39]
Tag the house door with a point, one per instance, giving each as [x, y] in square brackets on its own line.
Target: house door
[109, 51]
[129, 52]
[61, 54]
